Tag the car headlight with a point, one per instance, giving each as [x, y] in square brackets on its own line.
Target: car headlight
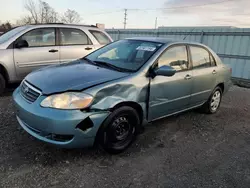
[68, 101]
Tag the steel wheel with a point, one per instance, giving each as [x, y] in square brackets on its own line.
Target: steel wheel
[119, 130]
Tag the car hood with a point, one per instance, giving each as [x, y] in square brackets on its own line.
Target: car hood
[74, 76]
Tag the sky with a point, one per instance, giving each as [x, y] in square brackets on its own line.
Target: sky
[143, 13]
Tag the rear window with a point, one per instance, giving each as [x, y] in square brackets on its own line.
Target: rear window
[200, 57]
[71, 36]
[100, 37]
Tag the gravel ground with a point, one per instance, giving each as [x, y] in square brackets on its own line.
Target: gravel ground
[187, 150]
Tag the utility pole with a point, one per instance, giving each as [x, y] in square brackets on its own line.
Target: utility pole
[156, 19]
[125, 18]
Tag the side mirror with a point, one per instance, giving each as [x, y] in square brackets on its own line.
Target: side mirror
[165, 71]
[22, 44]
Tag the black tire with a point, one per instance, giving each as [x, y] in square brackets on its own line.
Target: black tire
[208, 106]
[119, 130]
[2, 84]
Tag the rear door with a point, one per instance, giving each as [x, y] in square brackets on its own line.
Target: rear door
[204, 74]
[74, 44]
[42, 51]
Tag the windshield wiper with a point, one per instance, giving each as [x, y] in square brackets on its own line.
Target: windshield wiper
[89, 61]
[113, 66]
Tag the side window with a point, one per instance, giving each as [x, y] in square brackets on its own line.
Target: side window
[73, 37]
[175, 57]
[100, 37]
[201, 58]
[212, 60]
[40, 37]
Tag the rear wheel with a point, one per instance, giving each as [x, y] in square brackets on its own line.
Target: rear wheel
[2, 84]
[119, 130]
[214, 101]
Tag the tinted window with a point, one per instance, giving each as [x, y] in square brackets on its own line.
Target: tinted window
[40, 37]
[175, 57]
[73, 37]
[100, 37]
[126, 54]
[200, 57]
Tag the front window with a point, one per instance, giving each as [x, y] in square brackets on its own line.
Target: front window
[126, 54]
[176, 57]
[8, 35]
[40, 37]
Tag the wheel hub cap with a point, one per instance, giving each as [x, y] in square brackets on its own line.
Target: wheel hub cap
[215, 102]
[121, 128]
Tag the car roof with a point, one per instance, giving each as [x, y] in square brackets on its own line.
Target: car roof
[64, 25]
[164, 40]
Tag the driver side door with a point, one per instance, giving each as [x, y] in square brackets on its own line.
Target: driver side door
[41, 51]
[169, 95]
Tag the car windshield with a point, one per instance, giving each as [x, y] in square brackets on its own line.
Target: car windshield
[8, 35]
[127, 55]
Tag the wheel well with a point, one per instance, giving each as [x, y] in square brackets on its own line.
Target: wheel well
[4, 73]
[221, 85]
[133, 105]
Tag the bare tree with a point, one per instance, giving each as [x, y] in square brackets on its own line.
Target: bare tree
[24, 20]
[39, 12]
[48, 14]
[71, 16]
[33, 8]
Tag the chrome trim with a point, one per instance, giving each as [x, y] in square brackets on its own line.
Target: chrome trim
[200, 92]
[32, 87]
[196, 106]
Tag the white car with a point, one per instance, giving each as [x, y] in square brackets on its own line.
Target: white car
[26, 48]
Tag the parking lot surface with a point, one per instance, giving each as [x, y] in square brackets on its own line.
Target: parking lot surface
[187, 150]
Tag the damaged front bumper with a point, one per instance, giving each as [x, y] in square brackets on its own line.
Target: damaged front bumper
[65, 128]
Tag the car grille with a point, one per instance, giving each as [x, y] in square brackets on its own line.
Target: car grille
[29, 92]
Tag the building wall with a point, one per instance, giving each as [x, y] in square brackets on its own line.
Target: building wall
[231, 44]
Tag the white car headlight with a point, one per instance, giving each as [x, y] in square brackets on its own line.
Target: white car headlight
[68, 101]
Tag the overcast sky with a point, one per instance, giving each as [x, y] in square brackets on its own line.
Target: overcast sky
[230, 13]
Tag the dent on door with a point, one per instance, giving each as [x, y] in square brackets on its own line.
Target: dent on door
[169, 94]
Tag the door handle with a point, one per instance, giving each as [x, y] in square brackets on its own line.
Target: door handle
[88, 48]
[53, 51]
[214, 72]
[188, 77]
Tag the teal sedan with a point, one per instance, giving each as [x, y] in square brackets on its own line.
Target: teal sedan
[105, 98]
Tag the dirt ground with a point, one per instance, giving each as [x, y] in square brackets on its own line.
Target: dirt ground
[187, 150]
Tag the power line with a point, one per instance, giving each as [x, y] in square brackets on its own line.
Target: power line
[182, 7]
[100, 13]
[167, 8]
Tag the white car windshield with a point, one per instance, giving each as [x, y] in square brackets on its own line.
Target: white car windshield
[125, 54]
[8, 35]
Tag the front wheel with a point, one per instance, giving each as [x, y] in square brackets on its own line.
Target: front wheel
[2, 84]
[119, 130]
[214, 101]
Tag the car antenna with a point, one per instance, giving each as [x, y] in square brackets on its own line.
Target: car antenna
[188, 34]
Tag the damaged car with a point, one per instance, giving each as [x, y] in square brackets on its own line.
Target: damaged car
[106, 97]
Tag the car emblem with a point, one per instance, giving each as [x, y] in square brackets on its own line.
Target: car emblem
[26, 90]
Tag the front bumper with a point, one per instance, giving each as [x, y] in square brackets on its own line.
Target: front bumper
[58, 127]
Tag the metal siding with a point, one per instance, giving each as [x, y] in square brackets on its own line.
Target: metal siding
[232, 43]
